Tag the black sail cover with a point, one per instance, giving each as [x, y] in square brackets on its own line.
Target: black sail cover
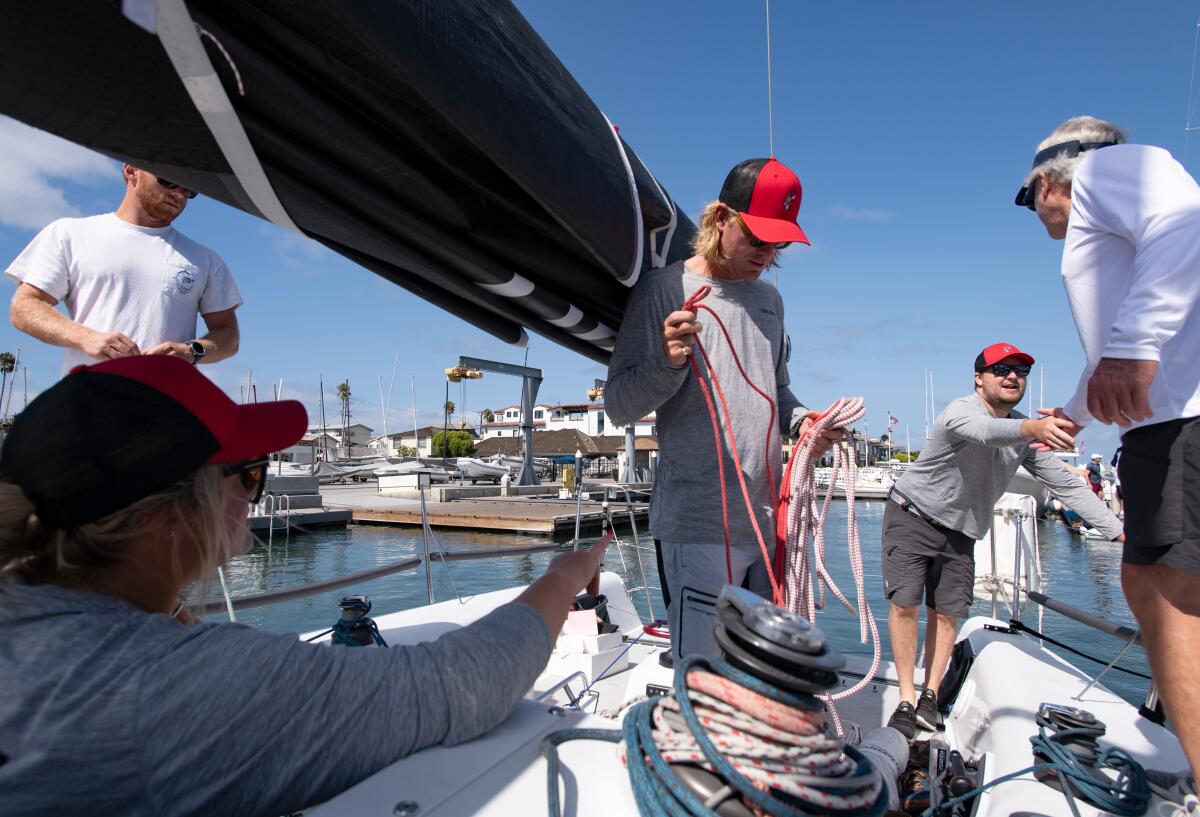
[438, 143]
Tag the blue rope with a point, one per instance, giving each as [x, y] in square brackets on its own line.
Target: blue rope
[1126, 796]
[656, 788]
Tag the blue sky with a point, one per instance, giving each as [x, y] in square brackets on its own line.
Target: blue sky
[910, 125]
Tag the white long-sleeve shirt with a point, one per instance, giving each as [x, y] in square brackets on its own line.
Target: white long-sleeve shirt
[1131, 267]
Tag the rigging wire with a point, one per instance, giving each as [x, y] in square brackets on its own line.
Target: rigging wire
[770, 99]
[1187, 125]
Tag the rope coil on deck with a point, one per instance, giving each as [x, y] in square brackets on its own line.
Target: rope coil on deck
[771, 749]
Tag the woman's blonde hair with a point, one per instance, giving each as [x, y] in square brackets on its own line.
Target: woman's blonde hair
[192, 511]
[706, 243]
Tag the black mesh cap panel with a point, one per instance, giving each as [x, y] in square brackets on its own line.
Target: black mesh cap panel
[96, 443]
[739, 184]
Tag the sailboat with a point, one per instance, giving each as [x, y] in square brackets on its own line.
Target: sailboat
[442, 146]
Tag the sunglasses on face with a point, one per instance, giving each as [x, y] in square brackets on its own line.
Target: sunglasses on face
[191, 194]
[1003, 369]
[754, 240]
[253, 476]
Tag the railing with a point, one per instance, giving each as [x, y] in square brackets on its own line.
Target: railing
[305, 590]
[1151, 709]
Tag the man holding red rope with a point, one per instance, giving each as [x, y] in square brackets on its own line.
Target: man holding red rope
[719, 385]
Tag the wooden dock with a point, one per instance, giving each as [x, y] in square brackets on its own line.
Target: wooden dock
[513, 514]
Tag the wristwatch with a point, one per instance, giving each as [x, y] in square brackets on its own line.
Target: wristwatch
[197, 351]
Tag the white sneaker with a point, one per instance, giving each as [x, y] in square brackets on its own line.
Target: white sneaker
[1188, 807]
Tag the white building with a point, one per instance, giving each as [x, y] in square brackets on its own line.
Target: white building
[587, 418]
[421, 440]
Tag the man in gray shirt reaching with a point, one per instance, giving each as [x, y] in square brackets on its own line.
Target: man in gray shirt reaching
[943, 504]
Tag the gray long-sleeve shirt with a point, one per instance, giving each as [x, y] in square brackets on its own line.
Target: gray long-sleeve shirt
[967, 464]
[686, 505]
[108, 709]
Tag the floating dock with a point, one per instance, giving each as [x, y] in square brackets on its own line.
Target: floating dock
[514, 514]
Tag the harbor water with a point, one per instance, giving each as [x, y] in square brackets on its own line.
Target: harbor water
[1082, 573]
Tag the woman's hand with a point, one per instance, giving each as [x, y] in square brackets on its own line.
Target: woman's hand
[570, 572]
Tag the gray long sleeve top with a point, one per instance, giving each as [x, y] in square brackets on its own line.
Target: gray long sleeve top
[108, 709]
[686, 505]
[968, 462]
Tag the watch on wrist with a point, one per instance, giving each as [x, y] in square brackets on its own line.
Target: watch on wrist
[197, 349]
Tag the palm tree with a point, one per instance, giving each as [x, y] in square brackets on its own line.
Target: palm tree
[488, 416]
[8, 363]
[343, 393]
[449, 408]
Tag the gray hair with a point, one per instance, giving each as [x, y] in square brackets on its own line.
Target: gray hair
[1061, 169]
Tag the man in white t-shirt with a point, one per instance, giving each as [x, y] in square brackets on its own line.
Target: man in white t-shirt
[132, 284]
[1130, 215]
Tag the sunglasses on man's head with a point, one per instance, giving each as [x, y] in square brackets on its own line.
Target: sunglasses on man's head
[1003, 369]
[188, 193]
[253, 476]
[754, 240]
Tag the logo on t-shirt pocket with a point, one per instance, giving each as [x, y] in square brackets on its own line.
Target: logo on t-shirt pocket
[181, 280]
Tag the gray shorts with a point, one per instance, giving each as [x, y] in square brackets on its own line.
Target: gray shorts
[921, 559]
[1160, 480]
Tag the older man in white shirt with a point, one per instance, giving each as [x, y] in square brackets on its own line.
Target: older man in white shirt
[1130, 215]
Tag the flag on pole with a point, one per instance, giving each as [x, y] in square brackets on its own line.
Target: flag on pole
[892, 421]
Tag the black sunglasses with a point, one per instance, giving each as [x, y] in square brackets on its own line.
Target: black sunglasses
[754, 240]
[1025, 196]
[253, 476]
[187, 192]
[1003, 369]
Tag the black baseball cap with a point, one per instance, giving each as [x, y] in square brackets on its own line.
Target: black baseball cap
[767, 195]
[110, 434]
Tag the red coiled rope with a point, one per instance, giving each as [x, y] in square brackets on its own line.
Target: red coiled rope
[693, 304]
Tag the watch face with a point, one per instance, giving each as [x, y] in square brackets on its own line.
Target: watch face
[197, 348]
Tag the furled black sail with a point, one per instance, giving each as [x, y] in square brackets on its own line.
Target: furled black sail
[438, 143]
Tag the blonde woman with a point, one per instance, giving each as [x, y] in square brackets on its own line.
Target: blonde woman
[122, 487]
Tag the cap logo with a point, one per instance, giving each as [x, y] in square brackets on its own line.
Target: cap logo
[787, 201]
[1007, 349]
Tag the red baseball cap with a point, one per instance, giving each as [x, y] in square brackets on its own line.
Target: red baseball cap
[110, 434]
[998, 352]
[767, 194]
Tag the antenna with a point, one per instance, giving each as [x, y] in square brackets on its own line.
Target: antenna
[770, 101]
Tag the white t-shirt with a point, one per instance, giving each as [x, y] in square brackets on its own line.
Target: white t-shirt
[1131, 267]
[148, 283]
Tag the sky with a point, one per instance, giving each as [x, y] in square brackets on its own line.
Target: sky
[911, 127]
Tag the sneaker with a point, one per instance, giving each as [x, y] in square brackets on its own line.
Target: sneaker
[904, 720]
[1189, 806]
[1171, 786]
[927, 713]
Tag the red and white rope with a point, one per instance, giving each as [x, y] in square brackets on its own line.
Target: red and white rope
[804, 592]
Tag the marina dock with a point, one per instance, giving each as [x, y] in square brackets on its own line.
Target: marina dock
[516, 514]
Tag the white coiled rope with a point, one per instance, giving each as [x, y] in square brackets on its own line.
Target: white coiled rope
[806, 523]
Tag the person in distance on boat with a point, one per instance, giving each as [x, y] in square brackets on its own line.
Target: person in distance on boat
[122, 486]
[943, 503]
[1130, 217]
[131, 282]
[741, 235]
[1095, 475]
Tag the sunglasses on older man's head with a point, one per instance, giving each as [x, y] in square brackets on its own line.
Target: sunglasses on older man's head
[754, 240]
[1003, 369]
[187, 192]
[253, 476]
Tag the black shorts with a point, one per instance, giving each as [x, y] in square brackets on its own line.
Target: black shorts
[1160, 486]
[921, 559]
